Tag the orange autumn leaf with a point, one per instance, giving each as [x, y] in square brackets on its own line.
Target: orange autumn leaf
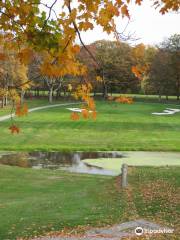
[18, 110]
[2, 56]
[21, 110]
[85, 113]
[84, 26]
[124, 100]
[125, 11]
[25, 109]
[139, 2]
[74, 116]
[14, 129]
[91, 104]
[94, 115]
[136, 72]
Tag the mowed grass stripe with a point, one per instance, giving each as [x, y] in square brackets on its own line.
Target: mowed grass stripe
[118, 127]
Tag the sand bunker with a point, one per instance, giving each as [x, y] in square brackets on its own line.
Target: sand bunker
[76, 109]
[168, 111]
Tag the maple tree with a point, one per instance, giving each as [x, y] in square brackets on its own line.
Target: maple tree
[54, 34]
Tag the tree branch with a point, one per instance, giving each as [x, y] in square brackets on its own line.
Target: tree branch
[80, 38]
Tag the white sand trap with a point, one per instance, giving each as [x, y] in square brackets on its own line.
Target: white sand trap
[77, 109]
[168, 111]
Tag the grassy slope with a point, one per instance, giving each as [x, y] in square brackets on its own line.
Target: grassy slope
[118, 127]
[33, 201]
[155, 193]
[31, 103]
[7, 110]
[36, 201]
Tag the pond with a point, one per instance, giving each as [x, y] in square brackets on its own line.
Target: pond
[105, 163]
[72, 162]
[137, 158]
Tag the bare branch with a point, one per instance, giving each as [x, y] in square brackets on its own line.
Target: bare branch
[79, 35]
[50, 10]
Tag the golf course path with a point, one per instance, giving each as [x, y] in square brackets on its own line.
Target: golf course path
[6, 117]
[116, 232]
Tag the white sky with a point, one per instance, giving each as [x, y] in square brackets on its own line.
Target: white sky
[149, 25]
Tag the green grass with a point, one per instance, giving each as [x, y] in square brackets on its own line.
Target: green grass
[36, 201]
[35, 103]
[155, 194]
[118, 127]
[33, 202]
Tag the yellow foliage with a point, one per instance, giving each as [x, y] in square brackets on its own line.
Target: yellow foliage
[24, 26]
[70, 87]
[99, 79]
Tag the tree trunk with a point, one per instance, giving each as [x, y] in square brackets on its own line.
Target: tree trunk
[167, 97]
[178, 88]
[105, 90]
[2, 102]
[22, 96]
[50, 95]
[6, 100]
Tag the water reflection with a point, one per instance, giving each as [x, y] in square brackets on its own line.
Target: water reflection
[71, 162]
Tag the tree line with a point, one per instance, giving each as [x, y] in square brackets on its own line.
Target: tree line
[113, 67]
[136, 69]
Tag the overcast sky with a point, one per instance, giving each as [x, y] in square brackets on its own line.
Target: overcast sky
[149, 25]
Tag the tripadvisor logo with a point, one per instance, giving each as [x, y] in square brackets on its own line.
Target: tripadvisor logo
[139, 231]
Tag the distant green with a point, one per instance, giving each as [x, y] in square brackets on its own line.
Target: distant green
[118, 127]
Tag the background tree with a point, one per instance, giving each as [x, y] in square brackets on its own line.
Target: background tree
[13, 74]
[172, 47]
[48, 82]
[116, 61]
[27, 25]
[160, 77]
[162, 74]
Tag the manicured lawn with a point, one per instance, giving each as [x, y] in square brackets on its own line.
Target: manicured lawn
[34, 201]
[118, 127]
[37, 201]
[31, 103]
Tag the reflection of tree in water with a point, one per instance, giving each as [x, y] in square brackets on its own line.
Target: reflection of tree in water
[16, 159]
